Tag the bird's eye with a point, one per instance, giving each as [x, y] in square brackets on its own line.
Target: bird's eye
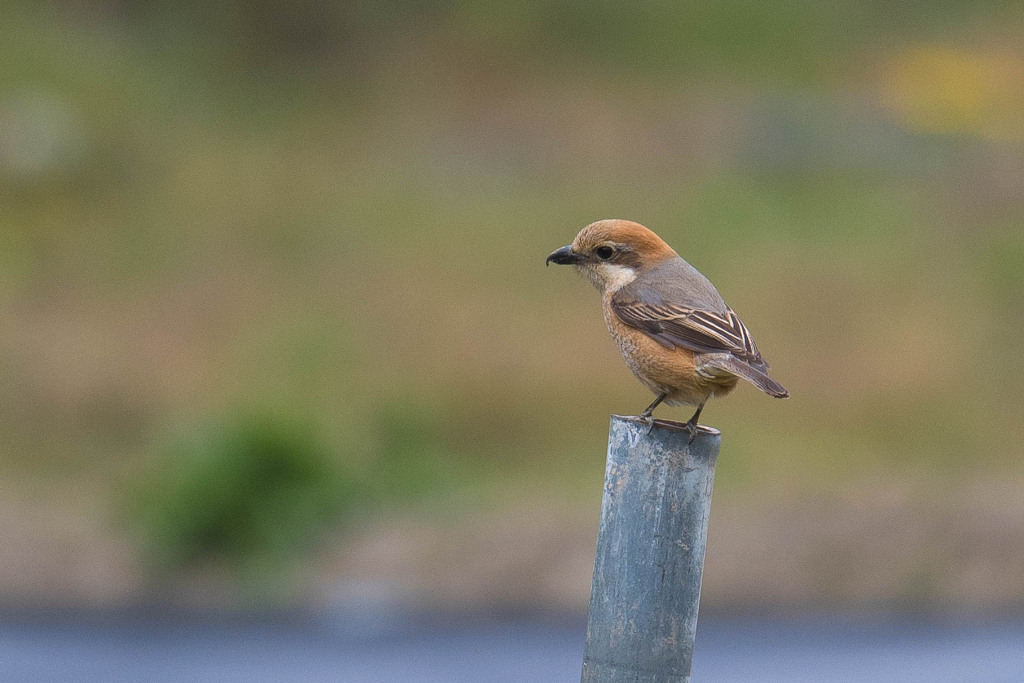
[604, 253]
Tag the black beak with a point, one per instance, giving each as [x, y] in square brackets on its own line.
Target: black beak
[564, 256]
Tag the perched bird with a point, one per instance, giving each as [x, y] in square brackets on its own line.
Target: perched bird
[670, 323]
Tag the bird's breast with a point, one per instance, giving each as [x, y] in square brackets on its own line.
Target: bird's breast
[673, 371]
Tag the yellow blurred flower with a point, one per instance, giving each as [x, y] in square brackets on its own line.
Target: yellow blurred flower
[938, 89]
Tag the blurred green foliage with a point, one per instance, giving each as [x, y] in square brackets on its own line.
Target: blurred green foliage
[253, 493]
[258, 491]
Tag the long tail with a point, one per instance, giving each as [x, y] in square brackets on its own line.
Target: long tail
[751, 374]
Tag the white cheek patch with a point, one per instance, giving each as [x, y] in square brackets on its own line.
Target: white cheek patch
[616, 277]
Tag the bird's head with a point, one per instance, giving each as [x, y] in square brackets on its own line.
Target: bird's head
[611, 252]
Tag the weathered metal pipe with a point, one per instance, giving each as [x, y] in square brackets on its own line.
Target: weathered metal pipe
[650, 552]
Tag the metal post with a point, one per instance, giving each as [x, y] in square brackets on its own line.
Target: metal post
[650, 552]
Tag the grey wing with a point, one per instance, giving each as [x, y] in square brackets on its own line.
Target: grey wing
[673, 325]
[677, 306]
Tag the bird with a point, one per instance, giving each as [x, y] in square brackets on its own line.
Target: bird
[672, 327]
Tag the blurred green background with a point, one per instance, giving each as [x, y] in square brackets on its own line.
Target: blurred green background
[276, 326]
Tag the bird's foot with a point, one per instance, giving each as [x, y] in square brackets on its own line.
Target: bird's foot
[647, 415]
[691, 427]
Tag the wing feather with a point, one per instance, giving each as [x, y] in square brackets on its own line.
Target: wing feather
[698, 330]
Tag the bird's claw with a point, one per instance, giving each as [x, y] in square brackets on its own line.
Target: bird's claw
[649, 420]
[692, 428]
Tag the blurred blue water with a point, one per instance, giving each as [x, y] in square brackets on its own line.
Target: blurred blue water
[155, 646]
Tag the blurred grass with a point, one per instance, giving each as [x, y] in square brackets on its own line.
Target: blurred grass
[254, 494]
[343, 210]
